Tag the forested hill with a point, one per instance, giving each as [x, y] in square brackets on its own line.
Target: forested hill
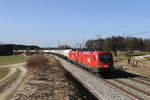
[7, 49]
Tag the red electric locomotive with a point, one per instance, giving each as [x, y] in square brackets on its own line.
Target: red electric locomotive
[98, 61]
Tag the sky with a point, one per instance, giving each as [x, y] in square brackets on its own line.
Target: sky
[48, 23]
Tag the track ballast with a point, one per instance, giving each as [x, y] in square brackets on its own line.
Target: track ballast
[120, 88]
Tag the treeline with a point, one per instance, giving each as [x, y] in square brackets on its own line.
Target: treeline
[119, 43]
[25, 47]
[60, 47]
[7, 49]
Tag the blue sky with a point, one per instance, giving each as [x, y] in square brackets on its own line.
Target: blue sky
[48, 22]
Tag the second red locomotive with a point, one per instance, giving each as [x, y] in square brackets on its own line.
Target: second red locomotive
[98, 61]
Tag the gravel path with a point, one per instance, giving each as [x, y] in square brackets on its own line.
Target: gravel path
[102, 89]
[10, 89]
[11, 72]
[140, 58]
[13, 65]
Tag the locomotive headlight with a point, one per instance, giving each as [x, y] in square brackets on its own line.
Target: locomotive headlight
[106, 66]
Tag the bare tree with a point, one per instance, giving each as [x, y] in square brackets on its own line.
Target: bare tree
[64, 46]
[81, 45]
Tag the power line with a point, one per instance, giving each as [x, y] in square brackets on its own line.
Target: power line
[136, 33]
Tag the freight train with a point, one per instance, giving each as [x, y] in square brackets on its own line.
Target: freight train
[97, 61]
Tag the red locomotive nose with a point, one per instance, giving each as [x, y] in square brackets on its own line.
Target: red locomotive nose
[105, 60]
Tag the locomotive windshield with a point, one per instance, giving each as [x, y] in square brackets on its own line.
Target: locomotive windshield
[105, 58]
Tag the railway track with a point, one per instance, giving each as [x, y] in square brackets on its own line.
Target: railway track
[137, 87]
[118, 88]
[130, 89]
[140, 81]
[122, 88]
[144, 79]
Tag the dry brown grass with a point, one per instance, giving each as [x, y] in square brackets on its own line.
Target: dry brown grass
[136, 66]
[49, 83]
[37, 61]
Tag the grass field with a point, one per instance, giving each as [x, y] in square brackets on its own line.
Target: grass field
[3, 72]
[147, 58]
[5, 60]
[133, 53]
[140, 53]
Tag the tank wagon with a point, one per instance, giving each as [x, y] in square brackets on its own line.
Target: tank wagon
[97, 61]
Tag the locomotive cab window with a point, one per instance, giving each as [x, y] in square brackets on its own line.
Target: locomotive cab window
[105, 58]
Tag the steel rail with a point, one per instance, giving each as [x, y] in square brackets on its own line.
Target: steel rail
[125, 91]
[131, 86]
[139, 81]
